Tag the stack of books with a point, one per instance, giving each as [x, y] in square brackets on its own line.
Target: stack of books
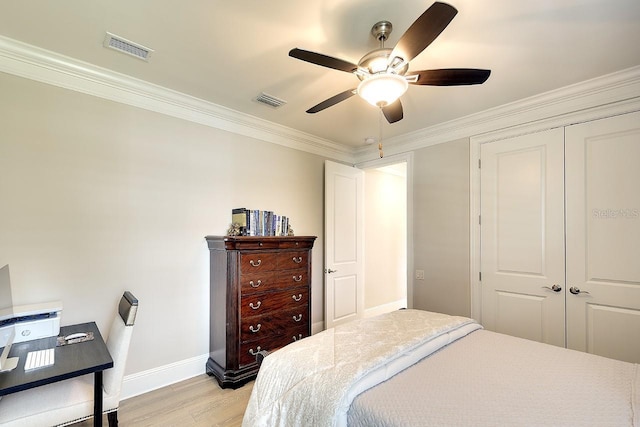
[260, 223]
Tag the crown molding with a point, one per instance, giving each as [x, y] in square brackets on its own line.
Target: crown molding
[612, 94]
[45, 66]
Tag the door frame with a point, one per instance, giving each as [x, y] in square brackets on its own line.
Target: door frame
[390, 160]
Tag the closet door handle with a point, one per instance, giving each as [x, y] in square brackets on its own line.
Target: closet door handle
[575, 290]
[554, 288]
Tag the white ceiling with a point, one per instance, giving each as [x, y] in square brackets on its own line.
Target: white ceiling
[227, 52]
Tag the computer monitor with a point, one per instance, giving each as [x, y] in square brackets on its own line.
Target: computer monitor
[6, 301]
[7, 326]
[7, 363]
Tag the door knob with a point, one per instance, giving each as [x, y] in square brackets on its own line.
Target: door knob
[554, 288]
[328, 270]
[575, 290]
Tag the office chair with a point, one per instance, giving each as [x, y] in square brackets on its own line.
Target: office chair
[71, 401]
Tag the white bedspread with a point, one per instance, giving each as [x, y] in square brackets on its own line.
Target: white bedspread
[312, 382]
[489, 379]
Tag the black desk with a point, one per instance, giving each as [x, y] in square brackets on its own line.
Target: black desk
[72, 360]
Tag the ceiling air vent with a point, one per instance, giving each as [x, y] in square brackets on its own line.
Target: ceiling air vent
[270, 100]
[126, 46]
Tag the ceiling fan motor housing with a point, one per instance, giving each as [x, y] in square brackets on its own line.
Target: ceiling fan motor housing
[377, 61]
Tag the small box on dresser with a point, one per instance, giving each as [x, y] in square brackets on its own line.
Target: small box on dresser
[260, 300]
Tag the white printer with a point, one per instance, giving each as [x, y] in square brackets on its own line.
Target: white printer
[32, 321]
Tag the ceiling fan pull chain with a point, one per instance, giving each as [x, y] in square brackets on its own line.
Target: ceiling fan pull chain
[380, 134]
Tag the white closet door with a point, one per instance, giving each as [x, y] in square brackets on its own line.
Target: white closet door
[522, 236]
[603, 237]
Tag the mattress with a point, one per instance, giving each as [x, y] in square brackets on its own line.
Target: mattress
[490, 379]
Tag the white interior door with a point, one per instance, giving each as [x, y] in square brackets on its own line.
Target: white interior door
[603, 237]
[522, 236]
[344, 243]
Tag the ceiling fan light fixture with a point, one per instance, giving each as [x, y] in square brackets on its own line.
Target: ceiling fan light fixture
[382, 89]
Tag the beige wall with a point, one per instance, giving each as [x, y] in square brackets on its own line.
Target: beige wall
[98, 197]
[385, 238]
[441, 228]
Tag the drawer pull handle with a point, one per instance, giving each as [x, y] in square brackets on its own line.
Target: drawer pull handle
[298, 298]
[299, 337]
[255, 285]
[257, 306]
[298, 317]
[297, 260]
[253, 353]
[297, 279]
[256, 329]
[255, 263]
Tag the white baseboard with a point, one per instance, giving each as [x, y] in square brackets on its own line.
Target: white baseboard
[152, 379]
[317, 327]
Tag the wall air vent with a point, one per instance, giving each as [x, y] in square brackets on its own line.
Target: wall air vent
[270, 100]
[126, 46]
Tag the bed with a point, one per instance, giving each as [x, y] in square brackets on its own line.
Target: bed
[417, 368]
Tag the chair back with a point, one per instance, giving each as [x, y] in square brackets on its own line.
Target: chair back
[118, 343]
[128, 308]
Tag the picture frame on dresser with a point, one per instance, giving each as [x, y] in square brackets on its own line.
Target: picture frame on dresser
[260, 301]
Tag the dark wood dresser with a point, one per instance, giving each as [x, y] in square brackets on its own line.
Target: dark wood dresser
[260, 301]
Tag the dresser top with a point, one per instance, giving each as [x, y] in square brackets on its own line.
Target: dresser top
[260, 242]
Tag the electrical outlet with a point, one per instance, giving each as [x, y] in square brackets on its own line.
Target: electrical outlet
[420, 274]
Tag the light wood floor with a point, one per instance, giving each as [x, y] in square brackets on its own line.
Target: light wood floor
[198, 401]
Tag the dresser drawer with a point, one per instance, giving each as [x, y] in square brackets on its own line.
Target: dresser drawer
[260, 327]
[254, 262]
[294, 244]
[293, 319]
[293, 260]
[257, 244]
[258, 282]
[266, 303]
[272, 281]
[291, 278]
[249, 350]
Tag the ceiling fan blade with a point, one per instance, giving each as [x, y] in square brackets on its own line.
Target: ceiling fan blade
[450, 77]
[332, 101]
[423, 31]
[393, 112]
[323, 60]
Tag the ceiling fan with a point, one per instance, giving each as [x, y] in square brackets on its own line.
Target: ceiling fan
[383, 72]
